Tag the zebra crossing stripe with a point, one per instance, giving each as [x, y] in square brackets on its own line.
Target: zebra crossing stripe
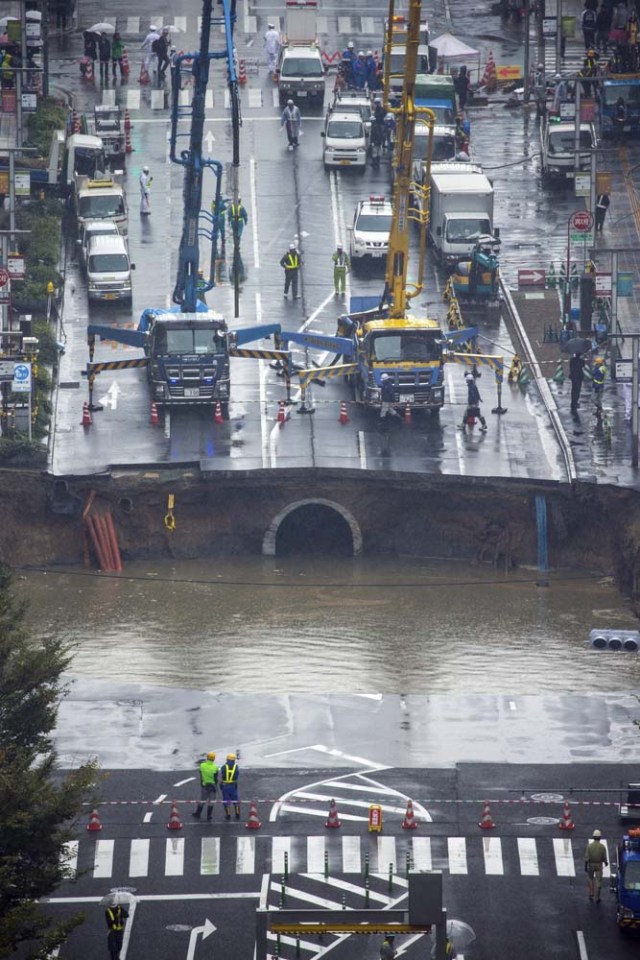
[308, 897]
[133, 25]
[103, 859]
[174, 857]
[69, 859]
[139, 858]
[563, 854]
[528, 854]
[246, 855]
[367, 26]
[421, 847]
[280, 846]
[180, 23]
[208, 99]
[210, 856]
[457, 855]
[109, 97]
[492, 850]
[386, 854]
[315, 854]
[351, 862]
[133, 99]
[344, 25]
[351, 888]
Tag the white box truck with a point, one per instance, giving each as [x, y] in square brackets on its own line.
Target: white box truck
[461, 211]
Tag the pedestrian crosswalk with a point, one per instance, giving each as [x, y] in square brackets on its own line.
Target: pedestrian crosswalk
[190, 26]
[320, 854]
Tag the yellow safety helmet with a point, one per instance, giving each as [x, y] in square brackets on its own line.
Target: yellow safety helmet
[211, 756]
[599, 361]
[231, 756]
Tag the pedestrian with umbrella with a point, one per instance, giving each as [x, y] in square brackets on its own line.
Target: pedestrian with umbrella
[104, 52]
[116, 916]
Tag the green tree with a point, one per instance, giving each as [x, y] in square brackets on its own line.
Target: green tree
[38, 802]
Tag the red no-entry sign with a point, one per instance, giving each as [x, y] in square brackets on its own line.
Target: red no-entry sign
[581, 221]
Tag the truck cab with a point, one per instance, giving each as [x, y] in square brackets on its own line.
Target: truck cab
[108, 125]
[558, 148]
[300, 70]
[102, 199]
[83, 157]
[436, 91]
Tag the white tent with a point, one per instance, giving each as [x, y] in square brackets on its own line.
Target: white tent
[451, 50]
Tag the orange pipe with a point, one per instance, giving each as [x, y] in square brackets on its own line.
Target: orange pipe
[104, 538]
[115, 550]
[95, 540]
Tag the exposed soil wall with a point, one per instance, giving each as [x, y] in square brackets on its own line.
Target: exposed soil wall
[594, 527]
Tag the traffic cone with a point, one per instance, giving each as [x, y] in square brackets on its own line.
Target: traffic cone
[559, 374]
[282, 414]
[128, 146]
[154, 419]
[409, 822]
[242, 72]
[566, 823]
[94, 822]
[217, 417]
[125, 70]
[407, 419]
[344, 416]
[486, 823]
[127, 116]
[86, 415]
[551, 277]
[175, 823]
[144, 75]
[490, 76]
[332, 820]
[253, 823]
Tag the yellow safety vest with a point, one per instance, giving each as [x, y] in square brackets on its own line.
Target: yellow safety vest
[115, 919]
[293, 261]
[230, 773]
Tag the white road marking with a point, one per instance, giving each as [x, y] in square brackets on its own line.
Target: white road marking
[344, 25]
[512, 705]
[344, 785]
[210, 856]
[275, 97]
[421, 847]
[386, 855]
[362, 449]
[352, 888]
[174, 857]
[310, 812]
[133, 25]
[161, 798]
[528, 854]
[139, 858]
[351, 862]
[132, 905]
[156, 897]
[308, 897]
[208, 99]
[255, 97]
[147, 817]
[264, 891]
[563, 853]
[181, 783]
[157, 99]
[108, 97]
[367, 26]
[606, 870]
[492, 850]
[180, 23]
[246, 855]
[103, 859]
[203, 931]
[69, 858]
[254, 211]
[133, 100]
[582, 945]
[458, 434]
[297, 942]
[457, 855]
[315, 854]
[316, 312]
[280, 846]
[346, 801]
[371, 764]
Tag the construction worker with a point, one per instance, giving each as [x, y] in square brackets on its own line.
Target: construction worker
[371, 70]
[360, 71]
[472, 412]
[597, 379]
[229, 774]
[208, 784]
[341, 267]
[595, 857]
[272, 48]
[291, 263]
[147, 46]
[388, 950]
[291, 121]
[237, 218]
[116, 918]
[346, 64]
[220, 216]
[576, 375]
[145, 191]
[388, 397]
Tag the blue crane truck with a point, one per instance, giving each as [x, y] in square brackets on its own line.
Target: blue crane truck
[625, 881]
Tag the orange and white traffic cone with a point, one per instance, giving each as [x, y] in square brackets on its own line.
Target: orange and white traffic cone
[86, 415]
[407, 419]
[154, 419]
[217, 417]
[175, 823]
[253, 823]
[125, 69]
[486, 823]
[144, 75]
[242, 72]
[344, 416]
[282, 414]
[409, 822]
[566, 823]
[490, 75]
[127, 116]
[128, 146]
[94, 822]
[332, 820]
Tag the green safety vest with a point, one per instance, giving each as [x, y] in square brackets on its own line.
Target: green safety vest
[292, 262]
[230, 773]
[236, 211]
[208, 772]
[116, 920]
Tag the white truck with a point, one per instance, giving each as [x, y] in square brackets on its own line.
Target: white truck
[461, 211]
[108, 124]
[68, 156]
[100, 199]
[558, 148]
[300, 70]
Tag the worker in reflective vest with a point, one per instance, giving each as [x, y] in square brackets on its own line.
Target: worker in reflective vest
[291, 263]
[237, 218]
[229, 774]
[116, 918]
[208, 780]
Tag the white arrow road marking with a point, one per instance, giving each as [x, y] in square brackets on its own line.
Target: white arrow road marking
[206, 930]
[209, 139]
[111, 397]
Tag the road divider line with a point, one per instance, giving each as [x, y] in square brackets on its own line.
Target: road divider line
[362, 449]
[582, 946]
[262, 394]
[254, 211]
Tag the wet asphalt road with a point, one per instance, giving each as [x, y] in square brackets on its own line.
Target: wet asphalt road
[290, 197]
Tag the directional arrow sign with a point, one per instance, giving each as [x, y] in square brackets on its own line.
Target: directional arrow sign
[111, 397]
[209, 139]
[531, 278]
[206, 929]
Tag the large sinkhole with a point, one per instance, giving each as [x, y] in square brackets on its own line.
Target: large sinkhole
[313, 527]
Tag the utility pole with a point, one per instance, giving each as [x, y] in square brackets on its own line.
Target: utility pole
[527, 52]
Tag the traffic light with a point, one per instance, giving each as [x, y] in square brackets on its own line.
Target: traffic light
[628, 641]
[587, 296]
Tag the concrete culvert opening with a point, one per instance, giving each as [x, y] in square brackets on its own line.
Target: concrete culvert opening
[313, 528]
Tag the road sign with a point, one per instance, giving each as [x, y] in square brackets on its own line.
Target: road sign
[29, 101]
[15, 266]
[624, 371]
[509, 73]
[583, 184]
[5, 286]
[603, 284]
[7, 368]
[567, 110]
[21, 378]
[531, 278]
[549, 26]
[22, 183]
[581, 221]
[582, 239]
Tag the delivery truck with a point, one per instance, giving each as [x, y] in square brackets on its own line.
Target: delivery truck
[461, 211]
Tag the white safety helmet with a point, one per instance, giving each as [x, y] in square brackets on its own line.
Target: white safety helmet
[271, 26]
[145, 169]
[292, 246]
[289, 103]
[153, 28]
[350, 45]
[369, 53]
[385, 376]
[468, 375]
[361, 53]
[596, 834]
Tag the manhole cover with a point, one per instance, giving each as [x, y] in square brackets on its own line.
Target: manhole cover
[542, 821]
[178, 927]
[547, 797]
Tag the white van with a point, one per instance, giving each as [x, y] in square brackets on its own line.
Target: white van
[345, 141]
[109, 269]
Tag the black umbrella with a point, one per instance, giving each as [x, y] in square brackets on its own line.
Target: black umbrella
[578, 346]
